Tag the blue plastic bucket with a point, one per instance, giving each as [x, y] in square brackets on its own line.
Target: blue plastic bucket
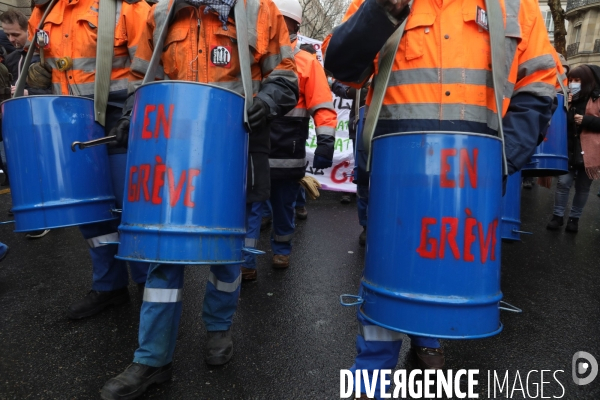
[510, 227]
[52, 186]
[432, 263]
[185, 189]
[550, 157]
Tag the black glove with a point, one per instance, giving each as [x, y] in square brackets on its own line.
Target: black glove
[258, 114]
[320, 162]
[39, 76]
[121, 131]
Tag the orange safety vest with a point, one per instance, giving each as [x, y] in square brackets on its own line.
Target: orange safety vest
[442, 70]
[198, 49]
[72, 29]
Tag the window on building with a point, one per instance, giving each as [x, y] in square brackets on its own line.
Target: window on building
[549, 21]
[577, 33]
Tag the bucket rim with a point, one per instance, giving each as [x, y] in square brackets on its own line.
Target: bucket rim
[47, 95]
[437, 133]
[190, 83]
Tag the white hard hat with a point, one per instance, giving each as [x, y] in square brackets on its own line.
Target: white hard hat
[290, 8]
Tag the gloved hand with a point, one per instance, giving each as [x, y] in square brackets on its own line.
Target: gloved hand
[121, 131]
[39, 76]
[258, 114]
[320, 162]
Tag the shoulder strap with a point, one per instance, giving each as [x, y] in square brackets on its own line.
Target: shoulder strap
[241, 23]
[104, 57]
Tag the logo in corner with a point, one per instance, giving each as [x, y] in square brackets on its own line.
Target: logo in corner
[579, 367]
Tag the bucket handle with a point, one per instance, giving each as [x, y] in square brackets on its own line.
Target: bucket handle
[518, 231]
[358, 302]
[252, 251]
[91, 143]
[7, 222]
[109, 243]
[509, 307]
[116, 210]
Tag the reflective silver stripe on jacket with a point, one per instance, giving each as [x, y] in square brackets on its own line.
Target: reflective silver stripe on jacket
[445, 112]
[88, 64]
[375, 333]
[287, 162]
[538, 89]
[298, 112]
[540, 63]
[272, 61]
[326, 104]
[237, 86]
[154, 295]
[99, 241]
[224, 286]
[84, 89]
[250, 242]
[283, 73]
[283, 238]
[325, 130]
[141, 66]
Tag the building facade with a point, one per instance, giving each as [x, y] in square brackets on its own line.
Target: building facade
[22, 5]
[583, 32]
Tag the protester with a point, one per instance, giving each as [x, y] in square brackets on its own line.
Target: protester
[428, 92]
[288, 151]
[583, 127]
[72, 38]
[276, 93]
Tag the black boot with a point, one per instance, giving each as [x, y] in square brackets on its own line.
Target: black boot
[96, 301]
[572, 225]
[219, 347]
[555, 223]
[134, 381]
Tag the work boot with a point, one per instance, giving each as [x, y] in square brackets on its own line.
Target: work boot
[249, 274]
[572, 225]
[37, 234]
[219, 347]
[362, 238]
[281, 261]
[265, 223]
[301, 213]
[429, 358]
[134, 381]
[555, 223]
[96, 301]
[345, 199]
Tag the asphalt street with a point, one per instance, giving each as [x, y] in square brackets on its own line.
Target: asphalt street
[291, 335]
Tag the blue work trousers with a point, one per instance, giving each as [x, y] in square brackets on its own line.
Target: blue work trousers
[161, 309]
[301, 198]
[108, 272]
[283, 197]
[379, 348]
[254, 215]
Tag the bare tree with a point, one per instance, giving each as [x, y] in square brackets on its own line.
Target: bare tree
[560, 32]
[320, 16]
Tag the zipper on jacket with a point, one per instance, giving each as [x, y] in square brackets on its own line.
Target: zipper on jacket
[198, 48]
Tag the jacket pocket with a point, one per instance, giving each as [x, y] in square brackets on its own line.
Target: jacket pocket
[416, 28]
[174, 44]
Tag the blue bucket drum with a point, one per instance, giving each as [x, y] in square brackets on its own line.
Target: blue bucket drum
[185, 188]
[52, 186]
[550, 157]
[432, 263]
[510, 228]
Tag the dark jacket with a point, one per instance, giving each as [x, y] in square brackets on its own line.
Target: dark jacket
[12, 62]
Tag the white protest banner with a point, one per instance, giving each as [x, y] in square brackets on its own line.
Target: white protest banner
[339, 176]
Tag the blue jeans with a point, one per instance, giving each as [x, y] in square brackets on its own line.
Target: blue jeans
[582, 190]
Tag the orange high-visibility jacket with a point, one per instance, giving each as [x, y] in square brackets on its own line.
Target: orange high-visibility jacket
[289, 133]
[72, 27]
[441, 76]
[198, 48]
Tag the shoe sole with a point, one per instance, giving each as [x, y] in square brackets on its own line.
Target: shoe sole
[158, 378]
[117, 301]
[302, 216]
[220, 360]
[249, 277]
[41, 235]
[281, 266]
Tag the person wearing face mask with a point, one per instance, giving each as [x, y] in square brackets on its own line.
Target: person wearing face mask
[583, 127]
